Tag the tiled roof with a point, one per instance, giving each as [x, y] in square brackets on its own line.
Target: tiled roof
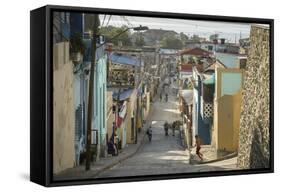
[186, 67]
[200, 68]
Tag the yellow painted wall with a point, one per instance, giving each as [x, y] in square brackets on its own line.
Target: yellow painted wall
[130, 112]
[129, 124]
[63, 114]
[110, 116]
[146, 110]
[227, 122]
[227, 111]
[214, 132]
[236, 122]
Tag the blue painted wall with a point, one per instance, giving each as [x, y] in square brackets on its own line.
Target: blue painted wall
[100, 97]
[76, 23]
[233, 79]
[200, 127]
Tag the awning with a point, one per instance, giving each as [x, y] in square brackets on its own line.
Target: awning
[123, 95]
[123, 111]
[123, 59]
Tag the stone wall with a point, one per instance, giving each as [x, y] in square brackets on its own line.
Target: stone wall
[254, 138]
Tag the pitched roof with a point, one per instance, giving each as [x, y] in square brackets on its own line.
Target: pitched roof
[195, 51]
[214, 65]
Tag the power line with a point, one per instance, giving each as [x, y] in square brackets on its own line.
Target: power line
[108, 20]
[128, 21]
[103, 20]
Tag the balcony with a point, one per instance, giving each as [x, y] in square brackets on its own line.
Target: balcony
[121, 78]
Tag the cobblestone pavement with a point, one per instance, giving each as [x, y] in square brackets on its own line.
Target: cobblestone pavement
[163, 155]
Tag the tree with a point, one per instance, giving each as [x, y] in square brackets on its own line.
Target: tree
[195, 38]
[171, 42]
[111, 35]
[183, 37]
[139, 41]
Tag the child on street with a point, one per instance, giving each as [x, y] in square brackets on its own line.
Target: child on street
[198, 144]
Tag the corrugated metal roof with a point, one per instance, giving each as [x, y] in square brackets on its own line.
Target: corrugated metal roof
[124, 59]
[123, 95]
[168, 51]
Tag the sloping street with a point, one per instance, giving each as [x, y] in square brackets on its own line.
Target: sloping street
[164, 154]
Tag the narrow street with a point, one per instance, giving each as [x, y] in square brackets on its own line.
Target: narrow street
[164, 154]
[120, 82]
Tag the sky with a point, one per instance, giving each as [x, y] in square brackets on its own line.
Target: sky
[228, 30]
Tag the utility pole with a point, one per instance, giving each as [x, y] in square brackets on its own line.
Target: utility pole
[91, 95]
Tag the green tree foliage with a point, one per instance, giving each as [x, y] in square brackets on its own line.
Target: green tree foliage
[116, 34]
[171, 42]
[195, 38]
[89, 22]
[139, 41]
[183, 38]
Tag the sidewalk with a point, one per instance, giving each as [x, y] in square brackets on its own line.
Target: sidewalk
[209, 155]
[104, 163]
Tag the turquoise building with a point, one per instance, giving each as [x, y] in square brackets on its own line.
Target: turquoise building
[81, 93]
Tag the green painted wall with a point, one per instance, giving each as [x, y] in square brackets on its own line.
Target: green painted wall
[231, 83]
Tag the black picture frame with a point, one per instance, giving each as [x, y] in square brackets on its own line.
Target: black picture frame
[41, 94]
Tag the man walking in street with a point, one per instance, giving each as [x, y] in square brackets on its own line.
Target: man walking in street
[198, 144]
[166, 128]
[149, 133]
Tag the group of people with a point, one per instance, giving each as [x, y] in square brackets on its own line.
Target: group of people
[112, 144]
[198, 140]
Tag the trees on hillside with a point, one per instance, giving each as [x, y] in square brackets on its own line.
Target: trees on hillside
[116, 35]
[171, 42]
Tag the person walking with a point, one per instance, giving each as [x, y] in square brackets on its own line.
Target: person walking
[160, 96]
[149, 133]
[166, 95]
[166, 127]
[198, 143]
[174, 127]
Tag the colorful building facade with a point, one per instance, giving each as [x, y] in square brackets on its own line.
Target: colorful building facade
[227, 106]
